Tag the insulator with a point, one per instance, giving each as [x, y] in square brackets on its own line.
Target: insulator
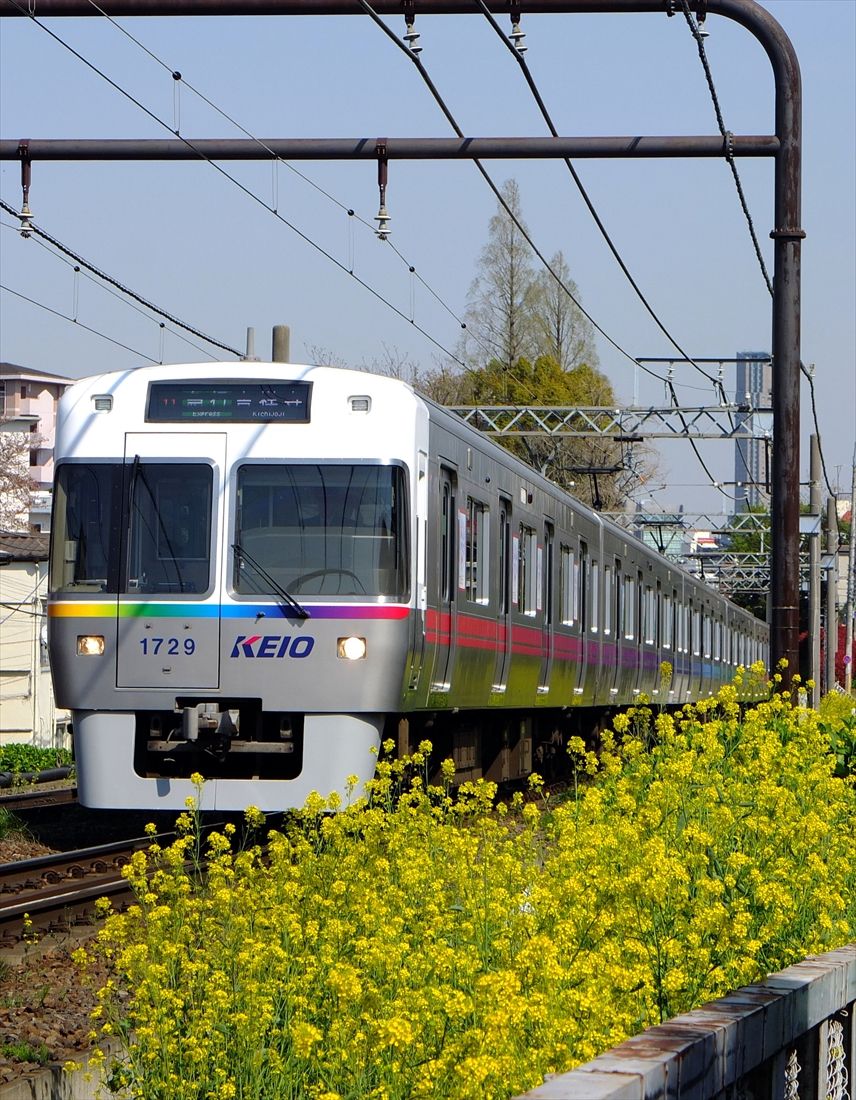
[411, 37]
[383, 219]
[26, 221]
[517, 36]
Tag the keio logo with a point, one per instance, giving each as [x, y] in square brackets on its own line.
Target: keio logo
[272, 645]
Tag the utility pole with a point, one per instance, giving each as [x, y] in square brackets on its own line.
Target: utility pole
[815, 505]
[831, 591]
[851, 589]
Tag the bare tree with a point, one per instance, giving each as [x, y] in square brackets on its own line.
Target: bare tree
[16, 485]
[563, 331]
[500, 303]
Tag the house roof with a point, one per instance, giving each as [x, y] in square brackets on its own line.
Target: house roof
[23, 546]
[13, 372]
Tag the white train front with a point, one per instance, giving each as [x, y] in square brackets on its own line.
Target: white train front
[258, 571]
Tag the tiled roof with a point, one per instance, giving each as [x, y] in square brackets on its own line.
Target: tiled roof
[23, 546]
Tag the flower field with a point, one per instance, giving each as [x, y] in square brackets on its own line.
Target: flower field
[430, 945]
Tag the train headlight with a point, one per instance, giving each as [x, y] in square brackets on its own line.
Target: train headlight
[90, 645]
[351, 649]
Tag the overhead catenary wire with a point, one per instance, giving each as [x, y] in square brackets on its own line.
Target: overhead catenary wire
[500, 198]
[74, 321]
[521, 61]
[113, 282]
[237, 183]
[729, 156]
[180, 79]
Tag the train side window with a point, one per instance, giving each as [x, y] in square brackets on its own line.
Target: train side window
[594, 607]
[583, 587]
[504, 555]
[476, 557]
[629, 608]
[527, 577]
[696, 633]
[447, 539]
[650, 617]
[667, 621]
[567, 585]
[607, 600]
[548, 566]
[707, 631]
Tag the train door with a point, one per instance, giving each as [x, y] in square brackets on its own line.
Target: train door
[168, 606]
[545, 597]
[446, 578]
[503, 628]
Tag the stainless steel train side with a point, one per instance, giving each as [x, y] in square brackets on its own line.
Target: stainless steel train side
[258, 573]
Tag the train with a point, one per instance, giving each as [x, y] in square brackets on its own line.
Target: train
[260, 572]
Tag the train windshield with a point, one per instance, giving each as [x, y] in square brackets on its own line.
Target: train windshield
[154, 515]
[322, 530]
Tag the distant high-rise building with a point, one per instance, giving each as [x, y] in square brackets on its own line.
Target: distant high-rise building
[753, 391]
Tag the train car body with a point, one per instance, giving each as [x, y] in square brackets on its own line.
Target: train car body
[258, 572]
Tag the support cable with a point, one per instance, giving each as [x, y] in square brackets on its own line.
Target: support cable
[369, 10]
[79, 324]
[237, 183]
[521, 61]
[77, 267]
[727, 136]
[78, 259]
[349, 210]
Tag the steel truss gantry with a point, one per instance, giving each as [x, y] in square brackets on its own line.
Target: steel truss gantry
[625, 425]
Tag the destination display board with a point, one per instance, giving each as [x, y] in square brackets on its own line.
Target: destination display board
[232, 402]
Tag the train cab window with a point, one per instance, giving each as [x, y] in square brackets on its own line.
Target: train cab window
[325, 530]
[476, 556]
[86, 525]
[169, 543]
[163, 508]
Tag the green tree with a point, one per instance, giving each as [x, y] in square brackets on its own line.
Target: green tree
[527, 342]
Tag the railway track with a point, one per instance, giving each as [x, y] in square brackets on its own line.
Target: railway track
[38, 800]
[56, 893]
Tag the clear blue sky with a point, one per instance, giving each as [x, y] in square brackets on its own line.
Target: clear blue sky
[188, 239]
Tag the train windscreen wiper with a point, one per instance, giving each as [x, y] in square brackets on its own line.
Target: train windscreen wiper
[276, 587]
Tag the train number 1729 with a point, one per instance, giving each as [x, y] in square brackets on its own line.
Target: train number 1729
[167, 646]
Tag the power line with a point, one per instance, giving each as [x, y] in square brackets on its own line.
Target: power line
[78, 259]
[518, 57]
[237, 183]
[452, 122]
[74, 321]
[347, 209]
[727, 137]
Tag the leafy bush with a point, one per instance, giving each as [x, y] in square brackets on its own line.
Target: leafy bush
[425, 945]
[28, 758]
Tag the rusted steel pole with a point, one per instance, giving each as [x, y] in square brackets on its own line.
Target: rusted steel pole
[365, 148]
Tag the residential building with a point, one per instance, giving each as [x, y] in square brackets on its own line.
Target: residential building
[28, 712]
[28, 406]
